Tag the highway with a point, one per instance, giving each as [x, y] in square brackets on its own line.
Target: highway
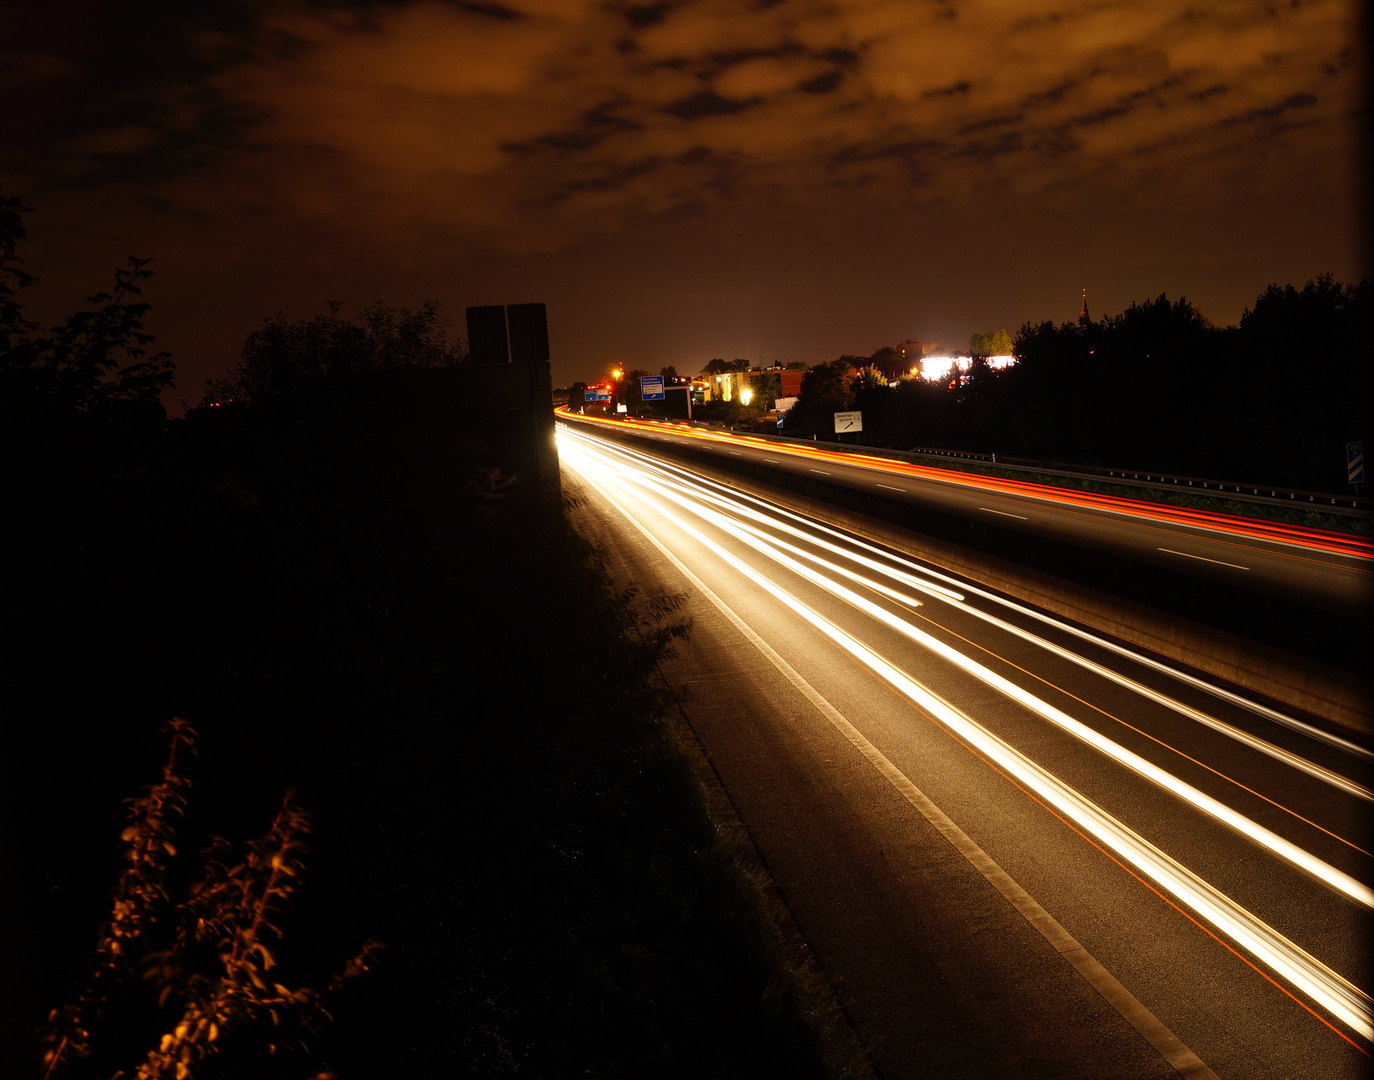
[1015, 847]
[1328, 570]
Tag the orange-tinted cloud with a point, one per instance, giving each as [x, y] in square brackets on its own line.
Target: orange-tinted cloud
[779, 164]
[532, 122]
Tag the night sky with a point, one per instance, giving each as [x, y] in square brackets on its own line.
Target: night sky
[682, 180]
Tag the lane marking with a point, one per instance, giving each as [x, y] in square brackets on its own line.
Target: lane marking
[1168, 1045]
[852, 536]
[990, 510]
[771, 461]
[1202, 558]
[1291, 962]
[1354, 788]
[858, 538]
[1141, 511]
[821, 471]
[889, 487]
[1266, 838]
[736, 453]
[1254, 742]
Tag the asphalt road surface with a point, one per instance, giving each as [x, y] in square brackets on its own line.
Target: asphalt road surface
[1331, 571]
[1016, 847]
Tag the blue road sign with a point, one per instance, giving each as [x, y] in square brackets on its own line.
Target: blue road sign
[651, 387]
[1354, 462]
[596, 393]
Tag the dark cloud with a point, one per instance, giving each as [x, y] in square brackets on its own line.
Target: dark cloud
[990, 122]
[1099, 116]
[1292, 101]
[1052, 95]
[706, 103]
[842, 58]
[618, 180]
[493, 11]
[822, 84]
[529, 130]
[953, 90]
[645, 15]
[1009, 142]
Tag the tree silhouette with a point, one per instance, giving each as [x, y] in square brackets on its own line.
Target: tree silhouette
[93, 360]
[287, 361]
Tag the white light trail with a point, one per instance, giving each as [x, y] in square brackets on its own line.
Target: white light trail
[774, 520]
[1252, 830]
[1325, 986]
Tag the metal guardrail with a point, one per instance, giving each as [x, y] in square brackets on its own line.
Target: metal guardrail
[1268, 494]
[1276, 494]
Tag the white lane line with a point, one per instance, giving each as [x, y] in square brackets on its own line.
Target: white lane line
[1168, 1045]
[1059, 503]
[771, 461]
[736, 453]
[1220, 811]
[1263, 746]
[1202, 558]
[1003, 513]
[889, 487]
[1335, 993]
[1215, 808]
[775, 513]
[1229, 696]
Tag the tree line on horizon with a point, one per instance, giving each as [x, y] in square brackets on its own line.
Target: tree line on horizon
[1273, 399]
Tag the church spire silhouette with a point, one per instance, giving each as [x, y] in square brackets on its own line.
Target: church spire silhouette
[1083, 317]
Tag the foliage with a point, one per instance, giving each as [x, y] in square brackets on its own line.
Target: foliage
[884, 358]
[94, 361]
[634, 391]
[825, 390]
[867, 378]
[361, 625]
[993, 343]
[717, 366]
[206, 958]
[669, 373]
[767, 389]
[287, 361]
[1160, 387]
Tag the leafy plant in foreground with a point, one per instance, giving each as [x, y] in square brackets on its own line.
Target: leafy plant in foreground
[207, 958]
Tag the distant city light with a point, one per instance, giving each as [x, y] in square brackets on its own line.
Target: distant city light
[746, 395]
[939, 368]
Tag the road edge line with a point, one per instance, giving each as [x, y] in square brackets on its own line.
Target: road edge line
[1154, 1031]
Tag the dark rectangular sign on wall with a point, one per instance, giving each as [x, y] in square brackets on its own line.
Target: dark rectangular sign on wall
[487, 335]
[529, 333]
